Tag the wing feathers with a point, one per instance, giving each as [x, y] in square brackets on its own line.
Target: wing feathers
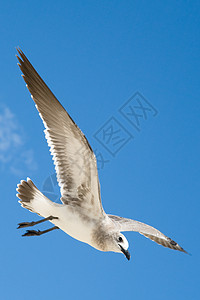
[150, 232]
[73, 157]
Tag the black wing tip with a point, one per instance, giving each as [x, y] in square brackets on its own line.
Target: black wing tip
[177, 247]
[184, 251]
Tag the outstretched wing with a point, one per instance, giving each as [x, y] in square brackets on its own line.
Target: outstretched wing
[150, 232]
[74, 160]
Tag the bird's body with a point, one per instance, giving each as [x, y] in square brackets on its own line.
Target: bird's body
[75, 221]
[75, 224]
[69, 220]
[81, 214]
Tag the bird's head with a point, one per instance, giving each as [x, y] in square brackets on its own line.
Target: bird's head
[112, 241]
[120, 244]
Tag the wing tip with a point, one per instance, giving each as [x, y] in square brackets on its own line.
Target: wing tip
[176, 246]
[184, 251]
[18, 50]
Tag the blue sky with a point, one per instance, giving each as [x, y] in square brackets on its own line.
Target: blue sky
[95, 56]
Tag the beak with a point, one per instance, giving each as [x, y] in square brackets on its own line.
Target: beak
[126, 253]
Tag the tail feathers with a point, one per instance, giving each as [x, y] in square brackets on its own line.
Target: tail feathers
[30, 197]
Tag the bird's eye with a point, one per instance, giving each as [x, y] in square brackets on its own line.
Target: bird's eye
[120, 239]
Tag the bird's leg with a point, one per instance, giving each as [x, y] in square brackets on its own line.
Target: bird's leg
[28, 224]
[38, 232]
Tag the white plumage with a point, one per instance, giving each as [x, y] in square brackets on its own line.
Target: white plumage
[81, 215]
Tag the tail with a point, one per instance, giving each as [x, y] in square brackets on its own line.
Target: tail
[32, 199]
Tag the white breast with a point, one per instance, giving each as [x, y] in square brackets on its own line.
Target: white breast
[70, 221]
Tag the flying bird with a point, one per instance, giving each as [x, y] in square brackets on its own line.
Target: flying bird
[81, 214]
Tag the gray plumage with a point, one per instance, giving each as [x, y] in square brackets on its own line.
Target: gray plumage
[81, 215]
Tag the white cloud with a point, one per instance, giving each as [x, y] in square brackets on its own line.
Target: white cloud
[9, 136]
[13, 151]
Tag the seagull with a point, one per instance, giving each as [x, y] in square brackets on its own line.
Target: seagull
[81, 214]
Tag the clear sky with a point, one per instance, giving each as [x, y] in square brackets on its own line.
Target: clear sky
[100, 58]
